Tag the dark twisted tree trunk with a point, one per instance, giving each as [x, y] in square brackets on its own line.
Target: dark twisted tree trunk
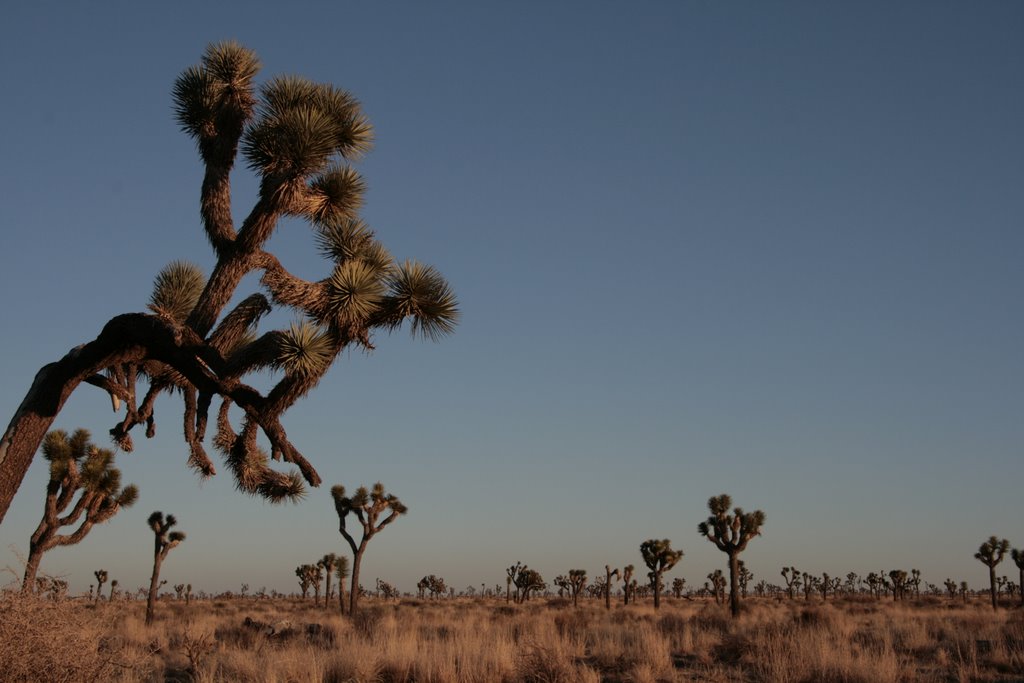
[734, 588]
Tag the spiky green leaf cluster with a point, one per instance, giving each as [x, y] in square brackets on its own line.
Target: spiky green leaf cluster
[216, 96]
[176, 290]
[304, 349]
[302, 125]
[420, 292]
[354, 292]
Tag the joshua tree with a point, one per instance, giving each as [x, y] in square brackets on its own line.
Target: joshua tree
[1017, 556]
[915, 581]
[101, 578]
[717, 581]
[528, 581]
[304, 572]
[627, 575]
[433, 584]
[562, 583]
[898, 582]
[188, 593]
[328, 562]
[316, 579]
[792, 577]
[577, 580]
[745, 577]
[179, 591]
[659, 558]
[677, 586]
[811, 584]
[964, 590]
[113, 590]
[951, 588]
[512, 572]
[990, 554]
[731, 533]
[609, 574]
[367, 507]
[386, 590]
[77, 467]
[296, 135]
[164, 541]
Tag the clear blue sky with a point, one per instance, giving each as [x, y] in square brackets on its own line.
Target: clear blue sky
[769, 249]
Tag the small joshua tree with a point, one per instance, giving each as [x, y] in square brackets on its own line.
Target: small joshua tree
[627, 575]
[528, 581]
[990, 554]
[101, 578]
[76, 467]
[717, 582]
[1017, 556]
[731, 534]
[316, 579]
[677, 587]
[951, 589]
[659, 558]
[386, 590]
[179, 591]
[164, 541]
[113, 590]
[305, 577]
[915, 581]
[367, 507]
[577, 580]
[898, 583]
[510, 580]
[745, 577]
[609, 574]
[792, 577]
[328, 562]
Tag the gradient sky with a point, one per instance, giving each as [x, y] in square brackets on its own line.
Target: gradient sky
[769, 249]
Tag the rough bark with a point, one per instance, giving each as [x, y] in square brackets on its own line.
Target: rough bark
[734, 590]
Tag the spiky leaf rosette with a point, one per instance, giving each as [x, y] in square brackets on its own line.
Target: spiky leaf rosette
[216, 97]
[420, 292]
[335, 194]
[354, 293]
[176, 290]
[304, 349]
[301, 126]
[351, 240]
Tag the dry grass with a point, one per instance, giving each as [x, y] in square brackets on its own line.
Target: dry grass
[476, 641]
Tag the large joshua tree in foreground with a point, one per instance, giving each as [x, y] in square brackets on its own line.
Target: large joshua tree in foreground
[297, 137]
[164, 541]
[731, 533]
[367, 507]
[77, 468]
[990, 554]
[659, 558]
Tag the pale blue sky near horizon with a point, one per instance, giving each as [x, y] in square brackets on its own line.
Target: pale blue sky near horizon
[772, 250]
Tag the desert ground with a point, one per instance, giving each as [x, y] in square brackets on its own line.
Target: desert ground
[545, 640]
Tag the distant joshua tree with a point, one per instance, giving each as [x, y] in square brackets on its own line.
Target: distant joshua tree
[915, 581]
[731, 534]
[627, 576]
[512, 572]
[386, 590]
[898, 584]
[528, 581]
[433, 584]
[577, 580]
[316, 579]
[164, 541]
[717, 582]
[328, 562]
[367, 506]
[101, 578]
[610, 573]
[964, 590]
[990, 554]
[792, 577]
[1017, 555]
[678, 584]
[76, 466]
[113, 589]
[951, 589]
[745, 577]
[659, 558]
[179, 591]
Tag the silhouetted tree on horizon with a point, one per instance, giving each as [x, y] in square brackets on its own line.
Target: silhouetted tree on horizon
[77, 468]
[164, 541]
[990, 554]
[731, 533]
[659, 558]
[367, 507]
